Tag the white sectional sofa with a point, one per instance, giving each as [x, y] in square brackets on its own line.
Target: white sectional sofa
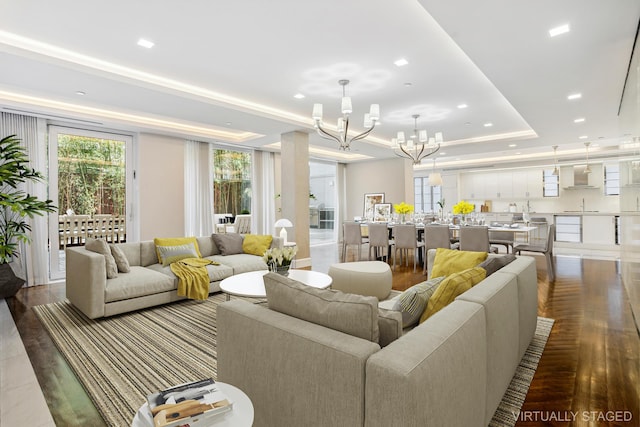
[451, 370]
[148, 283]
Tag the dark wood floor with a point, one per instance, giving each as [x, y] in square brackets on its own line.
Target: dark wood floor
[589, 374]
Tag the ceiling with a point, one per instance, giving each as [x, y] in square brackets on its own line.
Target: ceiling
[228, 71]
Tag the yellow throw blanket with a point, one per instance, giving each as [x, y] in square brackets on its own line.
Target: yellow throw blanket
[193, 279]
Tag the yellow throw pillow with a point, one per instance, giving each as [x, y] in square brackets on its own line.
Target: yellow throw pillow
[175, 241]
[454, 285]
[449, 261]
[256, 244]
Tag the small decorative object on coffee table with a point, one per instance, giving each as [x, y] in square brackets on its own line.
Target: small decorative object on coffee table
[279, 259]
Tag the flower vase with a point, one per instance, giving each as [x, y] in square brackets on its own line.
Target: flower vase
[403, 218]
[280, 269]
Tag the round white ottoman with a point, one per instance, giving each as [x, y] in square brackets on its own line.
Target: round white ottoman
[370, 278]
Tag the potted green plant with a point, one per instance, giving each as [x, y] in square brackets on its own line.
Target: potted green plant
[15, 206]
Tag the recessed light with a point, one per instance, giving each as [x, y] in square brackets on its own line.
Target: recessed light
[488, 125]
[145, 43]
[518, 153]
[298, 96]
[461, 106]
[559, 30]
[443, 154]
[467, 123]
[228, 123]
[583, 137]
[401, 62]
[574, 96]
[407, 84]
[80, 93]
[513, 145]
[579, 120]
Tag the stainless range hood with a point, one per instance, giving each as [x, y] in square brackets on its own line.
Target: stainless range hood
[580, 179]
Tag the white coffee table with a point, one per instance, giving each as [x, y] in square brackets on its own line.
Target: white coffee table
[240, 416]
[251, 284]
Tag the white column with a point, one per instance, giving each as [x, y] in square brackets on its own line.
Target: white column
[295, 191]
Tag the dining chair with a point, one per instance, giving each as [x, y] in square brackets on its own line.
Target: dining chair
[437, 236]
[546, 248]
[406, 238]
[476, 238]
[352, 235]
[241, 224]
[504, 238]
[379, 240]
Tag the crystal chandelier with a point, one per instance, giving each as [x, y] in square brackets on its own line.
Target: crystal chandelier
[418, 146]
[341, 137]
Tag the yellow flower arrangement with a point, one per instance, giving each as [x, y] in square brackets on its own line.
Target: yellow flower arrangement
[463, 208]
[403, 208]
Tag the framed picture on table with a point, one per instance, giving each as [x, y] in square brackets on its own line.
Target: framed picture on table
[370, 202]
[382, 211]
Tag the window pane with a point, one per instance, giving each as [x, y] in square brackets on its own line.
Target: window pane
[231, 182]
[551, 186]
[611, 180]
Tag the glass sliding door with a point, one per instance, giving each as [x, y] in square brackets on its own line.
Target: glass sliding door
[322, 202]
[89, 177]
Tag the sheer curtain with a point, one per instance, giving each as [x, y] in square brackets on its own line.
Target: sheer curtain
[33, 258]
[341, 185]
[198, 189]
[263, 205]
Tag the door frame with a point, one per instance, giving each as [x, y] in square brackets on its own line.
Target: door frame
[131, 201]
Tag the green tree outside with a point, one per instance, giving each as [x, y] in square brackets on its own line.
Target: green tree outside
[91, 175]
[231, 182]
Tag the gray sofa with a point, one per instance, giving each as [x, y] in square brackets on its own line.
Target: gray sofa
[451, 370]
[148, 283]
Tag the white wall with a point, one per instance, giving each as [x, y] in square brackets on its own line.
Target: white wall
[161, 182]
[393, 177]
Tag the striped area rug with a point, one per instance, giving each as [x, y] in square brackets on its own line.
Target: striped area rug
[121, 359]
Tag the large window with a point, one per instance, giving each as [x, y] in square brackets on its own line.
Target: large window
[551, 184]
[231, 182]
[611, 180]
[426, 197]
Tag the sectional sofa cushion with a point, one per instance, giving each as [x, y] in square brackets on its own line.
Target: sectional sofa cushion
[413, 301]
[390, 326]
[454, 285]
[256, 244]
[448, 261]
[121, 259]
[352, 314]
[228, 243]
[101, 247]
[139, 282]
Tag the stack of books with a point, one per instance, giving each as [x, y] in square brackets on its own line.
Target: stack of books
[195, 404]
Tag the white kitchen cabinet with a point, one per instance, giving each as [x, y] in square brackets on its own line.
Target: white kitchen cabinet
[568, 228]
[504, 184]
[534, 183]
[598, 229]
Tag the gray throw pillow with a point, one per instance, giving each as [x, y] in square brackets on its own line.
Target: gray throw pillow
[100, 246]
[493, 264]
[121, 260]
[228, 243]
[413, 301]
[356, 315]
